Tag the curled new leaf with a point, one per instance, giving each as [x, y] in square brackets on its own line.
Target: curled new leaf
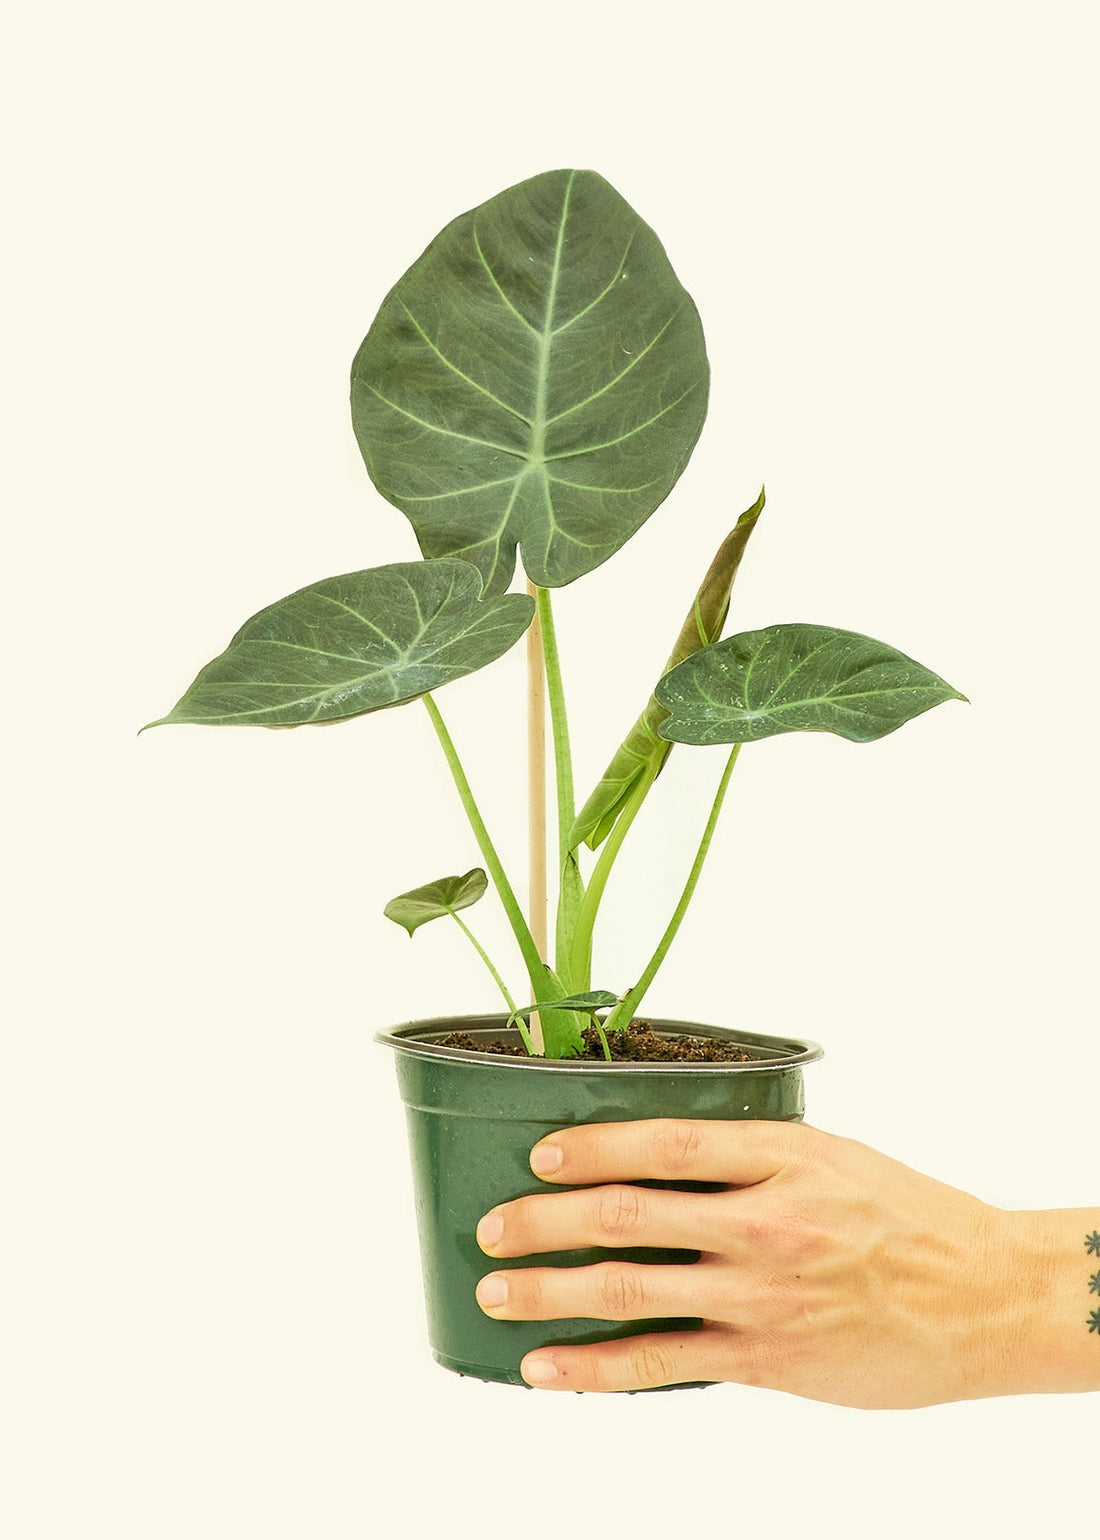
[796, 678]
[434, 899]
[355, 644]
[538, 377]
[642, 748]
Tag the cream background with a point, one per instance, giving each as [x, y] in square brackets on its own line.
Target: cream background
[886, 215]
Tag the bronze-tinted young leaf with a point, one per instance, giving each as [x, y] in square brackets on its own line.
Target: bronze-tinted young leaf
[642, 747]
[796, 678]
[355, 644]
[538, 376]
[432, 900]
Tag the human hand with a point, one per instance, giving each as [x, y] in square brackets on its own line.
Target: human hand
[826, 1269]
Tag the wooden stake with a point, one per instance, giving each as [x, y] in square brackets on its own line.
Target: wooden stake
[536, 797]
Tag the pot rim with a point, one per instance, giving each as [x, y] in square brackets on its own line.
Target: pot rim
[413, 1037]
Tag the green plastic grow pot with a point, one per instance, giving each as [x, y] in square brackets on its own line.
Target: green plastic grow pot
[473, 1118]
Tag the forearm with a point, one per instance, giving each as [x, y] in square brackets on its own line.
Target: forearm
[1052, 1281]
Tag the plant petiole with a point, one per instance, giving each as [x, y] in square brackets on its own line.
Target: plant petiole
[486, 959]
[623, 1013]
[570, 883]
[580, 962]
[536, 968]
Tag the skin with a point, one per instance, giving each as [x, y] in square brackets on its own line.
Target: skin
[826, 1270]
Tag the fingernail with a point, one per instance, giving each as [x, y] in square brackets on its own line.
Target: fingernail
[545, 1158]
[538, 1371]
[490, 1230]
[492, 1292]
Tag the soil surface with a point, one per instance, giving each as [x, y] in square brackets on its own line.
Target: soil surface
[635, 1044]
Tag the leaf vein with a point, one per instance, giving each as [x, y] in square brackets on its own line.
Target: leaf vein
[484, 486]
[432, 427]
[633, 364]
[319, 652]
[785, 681]
[496, 285]
[612, 443]
[462, 375]
[602, 294]
[359, 616]
[580, 486]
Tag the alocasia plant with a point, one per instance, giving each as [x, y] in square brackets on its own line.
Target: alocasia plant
[533, 387]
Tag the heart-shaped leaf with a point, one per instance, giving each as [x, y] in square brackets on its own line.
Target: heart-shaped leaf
[796, 678]
[538, 376]
[435, 899]
[355, 644]
[642, 747]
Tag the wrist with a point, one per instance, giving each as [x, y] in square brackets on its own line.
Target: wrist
[1048, 1299]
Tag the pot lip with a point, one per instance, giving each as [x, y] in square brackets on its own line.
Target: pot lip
[413, 1037]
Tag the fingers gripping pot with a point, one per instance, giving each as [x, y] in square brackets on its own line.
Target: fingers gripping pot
[473, 1118]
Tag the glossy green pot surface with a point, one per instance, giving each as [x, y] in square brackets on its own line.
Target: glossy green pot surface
[473, 1118]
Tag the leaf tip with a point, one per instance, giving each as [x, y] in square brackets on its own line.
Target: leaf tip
[752, 513]
[397, 920]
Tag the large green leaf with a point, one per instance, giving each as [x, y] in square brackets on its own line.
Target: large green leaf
[796, 678]
[642, 747]
[355, 644]
[537, 376]
[432, 900]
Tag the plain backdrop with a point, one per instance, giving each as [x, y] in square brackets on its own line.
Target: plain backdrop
[886, 214]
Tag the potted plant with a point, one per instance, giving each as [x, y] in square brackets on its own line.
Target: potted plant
[535, 384]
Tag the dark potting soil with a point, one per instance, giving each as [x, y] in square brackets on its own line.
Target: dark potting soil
[634, 1044]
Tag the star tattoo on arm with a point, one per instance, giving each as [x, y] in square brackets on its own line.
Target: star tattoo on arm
[1092, 1246]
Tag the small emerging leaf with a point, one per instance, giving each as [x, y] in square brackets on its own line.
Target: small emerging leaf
[593, 1000]
[435, 899]
[642, 746]
[355, 644]
[796, 678]
[570, 899]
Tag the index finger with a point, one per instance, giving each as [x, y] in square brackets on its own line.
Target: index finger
[739, 1153]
